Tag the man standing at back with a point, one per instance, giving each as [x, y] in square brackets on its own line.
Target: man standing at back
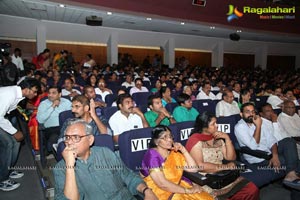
[9, 136]
[127, 117]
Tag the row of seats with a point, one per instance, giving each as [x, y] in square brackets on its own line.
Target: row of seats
[134, 143]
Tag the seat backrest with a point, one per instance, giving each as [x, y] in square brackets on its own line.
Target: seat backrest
[110, 98]
[226, 125]
[107, 112]
[182, 131]
[203, 105]
[63, 116]
[141, 98]
[260, 100]
[132, 146]
[171, 106]
[102, 140]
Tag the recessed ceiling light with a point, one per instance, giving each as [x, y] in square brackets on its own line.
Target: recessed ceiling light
[182, 23]
[109, 13]
[238, 31]
[62, 5]
[212, 27]
[149, 18]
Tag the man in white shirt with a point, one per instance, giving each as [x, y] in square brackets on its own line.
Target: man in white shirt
[256, 133]
[205, 92]
[128, 81]
[10, 137]
[138, 87]
[227, 106]
[127, 117]
[236, 90]
[69, 90]
[289, 120]
[276, 99]
[102, 89]
[17, 60]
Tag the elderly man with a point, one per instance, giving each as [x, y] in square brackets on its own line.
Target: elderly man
[227, 106]
[258, 134]
[127, 117]
[276, 99]
[289, 120]
[93, 172]
[205, 92]
[10, 137]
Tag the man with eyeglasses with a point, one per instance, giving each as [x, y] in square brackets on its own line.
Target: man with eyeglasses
[93, 172]
[10, 137]
[185, 111]
[256, 133]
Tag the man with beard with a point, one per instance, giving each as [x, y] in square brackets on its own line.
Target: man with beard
[127, 117]
[254, 132]
[84, 109]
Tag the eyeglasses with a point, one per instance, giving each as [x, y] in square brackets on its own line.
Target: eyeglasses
[166, 137]
[74, 138]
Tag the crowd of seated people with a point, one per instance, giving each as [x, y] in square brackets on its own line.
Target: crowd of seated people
[178, 85]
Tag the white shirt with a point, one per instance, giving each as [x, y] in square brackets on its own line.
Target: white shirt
[135, 90]
[103, 94]
[291, 124]
[10, 97]
[202, 95]
[278, 132]
[119, 123]
[226, 109]
[18, 62]
[126, 84]
[244, 134]
[65, 92]
[274, 101]
[236, 95]
[219, 96]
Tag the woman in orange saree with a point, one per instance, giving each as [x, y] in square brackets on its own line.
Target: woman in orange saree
[163, 165]
[33, 123]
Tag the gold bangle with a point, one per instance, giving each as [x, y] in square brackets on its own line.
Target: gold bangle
[185, 191]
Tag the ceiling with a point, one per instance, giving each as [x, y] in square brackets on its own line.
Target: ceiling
[131, 14]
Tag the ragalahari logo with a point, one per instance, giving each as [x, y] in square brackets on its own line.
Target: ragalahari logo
[233, 13]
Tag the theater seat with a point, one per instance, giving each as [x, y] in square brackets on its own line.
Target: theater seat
[182, 131]
[203, 105]
[132, 146]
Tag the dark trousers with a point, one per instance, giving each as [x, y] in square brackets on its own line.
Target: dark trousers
[9, 151]
[50, 137]
[288, 155]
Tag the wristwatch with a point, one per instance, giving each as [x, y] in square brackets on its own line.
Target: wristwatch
[171, 117]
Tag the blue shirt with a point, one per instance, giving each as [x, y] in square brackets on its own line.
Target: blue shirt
[48, 115]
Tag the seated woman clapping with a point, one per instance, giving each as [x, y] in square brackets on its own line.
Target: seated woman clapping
[163, 165]
[209, 147]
